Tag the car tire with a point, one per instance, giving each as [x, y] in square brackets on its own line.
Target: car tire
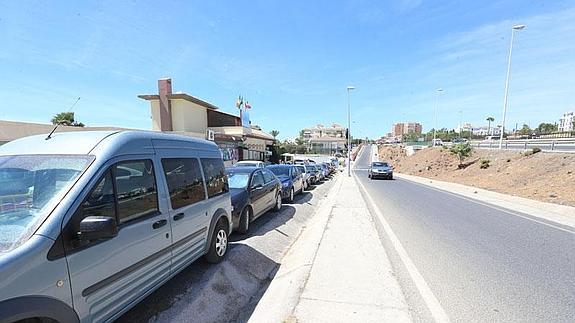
[219, 244]
[368, 175]
[291, 195]
[390, 177]
[278, 205]
[245, 220]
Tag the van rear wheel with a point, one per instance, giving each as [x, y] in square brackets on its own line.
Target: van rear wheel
[219, 244]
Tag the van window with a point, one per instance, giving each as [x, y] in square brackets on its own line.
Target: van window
[136, 189]
[185, 181]
[215, 173]
[101, 201]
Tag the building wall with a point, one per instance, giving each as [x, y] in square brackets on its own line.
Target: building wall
[155, 115]
[397, 129]
[188, 116]
[219, 119]
[320, 131]
[566, 123]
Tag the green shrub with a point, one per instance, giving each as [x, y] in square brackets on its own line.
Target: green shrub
[536, 150]
[462, 151]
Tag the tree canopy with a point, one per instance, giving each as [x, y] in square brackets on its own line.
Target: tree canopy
[66, 119]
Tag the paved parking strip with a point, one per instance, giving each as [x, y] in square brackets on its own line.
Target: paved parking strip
[229, 291]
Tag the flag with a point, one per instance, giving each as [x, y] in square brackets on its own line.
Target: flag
[247, 105]
[239, 102]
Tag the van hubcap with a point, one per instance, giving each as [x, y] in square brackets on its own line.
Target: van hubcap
[221, 243]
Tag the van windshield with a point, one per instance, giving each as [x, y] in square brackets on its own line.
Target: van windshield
[30, 188]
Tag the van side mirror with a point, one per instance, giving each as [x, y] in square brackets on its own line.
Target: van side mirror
[97, 228]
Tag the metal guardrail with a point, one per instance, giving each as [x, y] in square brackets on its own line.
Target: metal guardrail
[555, 145]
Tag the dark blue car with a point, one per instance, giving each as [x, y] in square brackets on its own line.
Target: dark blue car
[254, 191]
[291, 179]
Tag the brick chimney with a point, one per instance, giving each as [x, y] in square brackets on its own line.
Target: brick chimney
[165, 89]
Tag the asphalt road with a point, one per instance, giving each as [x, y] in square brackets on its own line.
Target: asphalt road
[481, 263]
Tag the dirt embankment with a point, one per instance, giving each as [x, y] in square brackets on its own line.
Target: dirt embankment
[548, 177]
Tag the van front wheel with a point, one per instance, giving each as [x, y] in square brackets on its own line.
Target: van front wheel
[219, 244]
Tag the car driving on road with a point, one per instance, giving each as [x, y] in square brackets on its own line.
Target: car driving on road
[380, 170]
[254, 191]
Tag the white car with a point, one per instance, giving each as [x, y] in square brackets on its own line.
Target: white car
[250, 163]
[436, 142]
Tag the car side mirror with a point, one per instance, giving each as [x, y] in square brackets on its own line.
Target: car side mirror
[97, 228]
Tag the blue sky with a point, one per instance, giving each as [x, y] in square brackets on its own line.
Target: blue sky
[291, 59]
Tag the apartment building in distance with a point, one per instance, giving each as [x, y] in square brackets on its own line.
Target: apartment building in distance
[566, 122]
[404, 128]
[325, 140]
[319, 131]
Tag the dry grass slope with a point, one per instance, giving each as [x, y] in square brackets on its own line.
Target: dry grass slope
[548, 177]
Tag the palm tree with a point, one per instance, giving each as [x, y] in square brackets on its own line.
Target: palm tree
[274, 133]
[66, 119]
[490, 120]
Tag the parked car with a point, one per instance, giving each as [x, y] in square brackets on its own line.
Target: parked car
[380, 170]
[308, 176]
[324, 170]
[254, 191]
[105, 219]
[436, 142]
[459, 141]
[250, 163]
[317, 171]
[291, 179]
[313, 171]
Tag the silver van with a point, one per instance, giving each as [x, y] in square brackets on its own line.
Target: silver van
[93, 222]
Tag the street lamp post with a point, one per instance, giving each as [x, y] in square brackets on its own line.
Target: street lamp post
[513, 29]
[349, 88]
[438, 91]
[460, 124]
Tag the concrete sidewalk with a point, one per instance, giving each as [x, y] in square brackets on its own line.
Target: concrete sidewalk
[337, 271]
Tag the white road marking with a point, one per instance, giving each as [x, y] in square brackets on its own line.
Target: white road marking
[437, 311]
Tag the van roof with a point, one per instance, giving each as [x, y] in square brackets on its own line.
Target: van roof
[84, 142]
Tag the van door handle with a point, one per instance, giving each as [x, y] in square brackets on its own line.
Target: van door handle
[159, 224]
[178, 216]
